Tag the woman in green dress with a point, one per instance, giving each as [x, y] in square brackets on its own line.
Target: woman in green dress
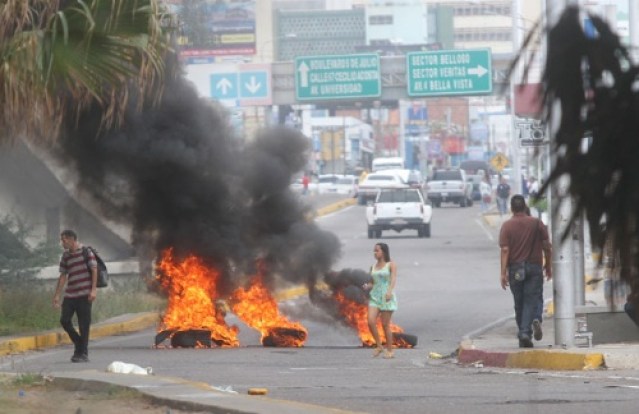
[382, 301]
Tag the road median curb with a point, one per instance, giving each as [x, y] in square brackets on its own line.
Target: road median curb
[134, 322]
[555, 360]
[322, 211]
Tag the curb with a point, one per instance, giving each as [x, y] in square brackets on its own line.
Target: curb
[186, 395]
[539, 359]
[59, 337]
[335, 207]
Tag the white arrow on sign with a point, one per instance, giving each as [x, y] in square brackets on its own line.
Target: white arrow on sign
[224, 84]
[479, 71]
[253, 86]
[303, 69]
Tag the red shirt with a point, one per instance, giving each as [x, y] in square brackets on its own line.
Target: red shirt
[518, 234]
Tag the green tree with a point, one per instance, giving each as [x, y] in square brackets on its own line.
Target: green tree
[57, 57]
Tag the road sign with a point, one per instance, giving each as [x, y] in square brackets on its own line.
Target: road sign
[337, 77]
[253, 84]
[233, 84]
[499, 162]
[449, 72]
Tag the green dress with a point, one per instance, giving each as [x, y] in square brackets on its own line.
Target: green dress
[381, 282]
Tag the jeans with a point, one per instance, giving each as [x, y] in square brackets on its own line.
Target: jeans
[631, 311]
[82, 308]
[502, 205]
[528, 297]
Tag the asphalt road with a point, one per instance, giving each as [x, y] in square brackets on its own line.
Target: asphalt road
[447, 286]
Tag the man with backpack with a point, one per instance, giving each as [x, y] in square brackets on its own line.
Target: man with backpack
[80, 277]
[503, 193]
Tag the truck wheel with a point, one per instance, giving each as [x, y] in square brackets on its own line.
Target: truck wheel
[470, 202]
[361, 200]
[462, 203]
[426, 230]
[420, 232]
[371, 233]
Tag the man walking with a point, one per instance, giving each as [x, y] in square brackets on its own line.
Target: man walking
[522, 240]
[80, 277]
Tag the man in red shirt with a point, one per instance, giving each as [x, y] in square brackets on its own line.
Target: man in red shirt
[525, 255]
[80, 278]
[305, 181]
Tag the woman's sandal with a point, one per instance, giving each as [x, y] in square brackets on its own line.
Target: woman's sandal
[378, 350]
[389, 355]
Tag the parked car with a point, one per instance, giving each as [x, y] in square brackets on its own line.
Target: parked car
[345, 184]
[324, 181]
[374, 182]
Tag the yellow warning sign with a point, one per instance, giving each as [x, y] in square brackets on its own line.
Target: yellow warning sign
[499, 162]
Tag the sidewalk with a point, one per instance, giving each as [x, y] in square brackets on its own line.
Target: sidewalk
[496, 344]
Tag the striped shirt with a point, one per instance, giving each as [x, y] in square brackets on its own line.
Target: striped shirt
[73, 265]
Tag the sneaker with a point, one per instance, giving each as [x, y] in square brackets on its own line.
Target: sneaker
[525, 342]
[80, 358]
[537, 333]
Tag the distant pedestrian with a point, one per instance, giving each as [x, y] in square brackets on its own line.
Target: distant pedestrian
[503, 192]
[80, 278]
[525, 254]
[305, 181]
[486, 192]
[382, 302]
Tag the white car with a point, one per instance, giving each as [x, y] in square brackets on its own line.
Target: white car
[345, 184]
[325, 181]
[373, 182]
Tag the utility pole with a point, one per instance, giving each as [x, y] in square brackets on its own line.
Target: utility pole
[633, 17]
[562, 262]
[514, 139]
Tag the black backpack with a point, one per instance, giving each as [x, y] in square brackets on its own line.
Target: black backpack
[103, 273]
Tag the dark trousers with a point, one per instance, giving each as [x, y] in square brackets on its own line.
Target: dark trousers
[528, 297]
[82, 308]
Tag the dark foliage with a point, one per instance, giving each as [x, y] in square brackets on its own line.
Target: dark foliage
[594, 83]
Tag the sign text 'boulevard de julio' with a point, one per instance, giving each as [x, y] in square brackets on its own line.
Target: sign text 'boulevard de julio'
[337, 77]
[449, 72]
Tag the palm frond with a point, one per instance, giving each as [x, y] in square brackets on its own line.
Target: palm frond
[74, 53]
[593, 81]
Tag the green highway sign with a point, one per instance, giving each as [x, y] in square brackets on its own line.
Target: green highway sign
[449, 72]
[337, 77]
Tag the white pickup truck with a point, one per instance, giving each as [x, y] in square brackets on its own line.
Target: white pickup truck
[450, 185]
[399, 209]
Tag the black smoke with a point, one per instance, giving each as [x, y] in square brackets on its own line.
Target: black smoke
[180, 178]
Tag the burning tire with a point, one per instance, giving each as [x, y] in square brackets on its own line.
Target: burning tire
[404, 340]
[284, 337]
[194, 338]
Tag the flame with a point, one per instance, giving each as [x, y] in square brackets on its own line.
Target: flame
[355, 314]
[256, 307]
[192, 289]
